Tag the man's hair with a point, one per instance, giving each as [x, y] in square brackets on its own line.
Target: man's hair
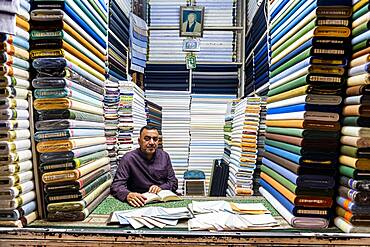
[148, 127]
[193, 14]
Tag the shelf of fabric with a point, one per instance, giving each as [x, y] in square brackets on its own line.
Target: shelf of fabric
[307, 73]
[354, 173]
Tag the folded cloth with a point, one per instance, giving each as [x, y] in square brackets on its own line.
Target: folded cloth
[347, 227]
[7, 81]
[11, 103]
[14, 92]
[79, 205]
[356, 110]
[313, 181]
[359, 90]
[14, 146]
[357, 163]
[82, 86]
[323, 152]
[332, 143]
[68, 145]
[306, 115]
[14, 135]
[295, 210]
[69, 155]
[69, 114]
[355, 152]
[352, 206]
[305, 124]
[18, 202]
[304, 133]
[354, 173]
[297, 222]
[353, 218]
[302, 160]
[358, 100]
[64, 104]
[12, 114]
[357, 121]
[6, 159]
[16, 214]
[298, 200]
[74, 186]
[67, 133]
[300, 169]
[78, 215]
[358, 197]
[60, 124]
[71, 175]
[298, 190]
[355, 131]
[61, 67]
[362, 185]
[15, 168]
[23, 221]
[72, 164]
[80, 194]
[11, 192]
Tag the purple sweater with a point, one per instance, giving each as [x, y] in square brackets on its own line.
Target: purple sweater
[136, 174]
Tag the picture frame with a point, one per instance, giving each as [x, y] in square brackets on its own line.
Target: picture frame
[191, 21]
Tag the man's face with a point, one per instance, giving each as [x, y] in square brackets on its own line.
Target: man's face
[148, 141]
[191, 18]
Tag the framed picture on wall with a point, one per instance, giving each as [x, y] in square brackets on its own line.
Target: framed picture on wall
[191, 21]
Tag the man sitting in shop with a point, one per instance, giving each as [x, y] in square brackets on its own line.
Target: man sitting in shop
[144, 169]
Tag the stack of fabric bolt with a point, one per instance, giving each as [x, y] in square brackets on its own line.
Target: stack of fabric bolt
[217, 13]
[260, 144]
[309, 44]
[165, 45]
[111, 101]
[206, 130]
[228, 129]
[118, 39]
[69, 89]
[138, 43]
[154, 118]
[132, 116]
[353, 201]
[17, 192]
[244, 146]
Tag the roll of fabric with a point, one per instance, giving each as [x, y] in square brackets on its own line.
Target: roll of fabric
[363, 185]
[71, 175]
[354, 173]
[313, 181]
[78, 184]
[298, 190]
[68, 145]
[298, 222]
[65, 156]
[69, 114]
[295, 210]
[78, 215]
[78, 205]
[64, 104]
[8, 193]
[298, 200]
[78, 195]
[72, 164]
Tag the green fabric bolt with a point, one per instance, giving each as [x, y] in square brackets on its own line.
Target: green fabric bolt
[360, 12]
[294, 38]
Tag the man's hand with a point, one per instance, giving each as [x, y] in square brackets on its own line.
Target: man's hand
[154, 189]
[136, 199]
